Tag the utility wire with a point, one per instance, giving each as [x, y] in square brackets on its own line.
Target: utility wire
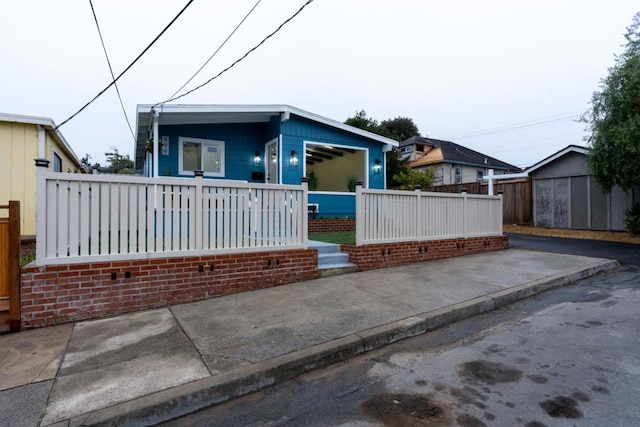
[217, 50]
[239, 59]
[104, 48]
[130, 65]
[522, 125]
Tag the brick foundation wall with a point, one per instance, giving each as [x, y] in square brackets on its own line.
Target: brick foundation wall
[330, 225]
[369, 257]
[65, 293]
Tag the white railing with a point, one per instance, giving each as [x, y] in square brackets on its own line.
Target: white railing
[85, 218]
[384, 216]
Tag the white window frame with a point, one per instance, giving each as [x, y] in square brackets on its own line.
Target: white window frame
[203, 142]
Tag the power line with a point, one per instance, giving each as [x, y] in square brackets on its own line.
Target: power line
[104, 48]
[239, 59]
[217, 50]
[523, 125]
[130, 65]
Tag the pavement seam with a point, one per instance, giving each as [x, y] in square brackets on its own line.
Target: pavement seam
[191, 341]
[55, 378]
[178, 401]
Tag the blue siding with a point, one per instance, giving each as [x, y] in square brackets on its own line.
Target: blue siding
[334, 205]
[241, 142]
[297, 129]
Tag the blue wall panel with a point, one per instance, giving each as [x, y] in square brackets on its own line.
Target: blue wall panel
[242, 140]
[334, 205]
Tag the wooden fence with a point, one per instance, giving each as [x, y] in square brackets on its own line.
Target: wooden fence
[10, 262]
[517, 199]
[384, 216]
[90, 218]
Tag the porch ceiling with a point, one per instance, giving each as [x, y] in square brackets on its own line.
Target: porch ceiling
[316, 154]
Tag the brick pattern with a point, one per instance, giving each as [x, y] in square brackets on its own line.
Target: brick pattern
[65, 293]
[369, 257]
[330, 225]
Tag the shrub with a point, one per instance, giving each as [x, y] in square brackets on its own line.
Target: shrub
[633, 219]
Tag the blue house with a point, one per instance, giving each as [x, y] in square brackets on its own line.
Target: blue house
[274, 144]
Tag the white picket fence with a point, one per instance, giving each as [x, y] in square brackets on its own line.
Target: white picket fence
[83, 218]
[384, 216]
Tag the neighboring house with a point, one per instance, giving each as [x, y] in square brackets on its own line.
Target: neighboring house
[452, 163]
[23, 139]
[565, 195]
[276, 144]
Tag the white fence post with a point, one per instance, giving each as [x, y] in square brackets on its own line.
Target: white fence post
[360, 216]
[199, 229]
[418, 225]
[465, 210]
[304, 210]
[41, 210]
[501, 212]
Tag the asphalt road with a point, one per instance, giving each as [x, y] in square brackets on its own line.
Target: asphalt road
[566, 357]
[625, 253]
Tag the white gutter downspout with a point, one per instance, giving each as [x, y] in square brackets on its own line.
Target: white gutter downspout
[156, 154]
[41, 142]
[491, 177]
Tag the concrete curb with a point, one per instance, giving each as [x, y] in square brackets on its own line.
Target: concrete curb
[181, 400]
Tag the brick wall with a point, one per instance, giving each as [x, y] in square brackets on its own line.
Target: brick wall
[369, 257]
[330, 225]
[64, 293]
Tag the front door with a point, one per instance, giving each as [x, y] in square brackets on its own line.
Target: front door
[272, 161]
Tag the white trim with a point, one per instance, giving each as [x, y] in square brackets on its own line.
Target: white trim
[365, 180]
[203, 142]
[551, 158]
[282, 110]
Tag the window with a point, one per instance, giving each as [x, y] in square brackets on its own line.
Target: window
[458, 176]
[57, 163]
[201, 154]
[479, 175]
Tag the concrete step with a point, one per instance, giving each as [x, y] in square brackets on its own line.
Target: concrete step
[324, 248]
[335, 258]
[336, 269]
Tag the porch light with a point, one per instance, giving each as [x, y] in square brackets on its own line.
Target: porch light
[377, 167]
[293, 160]
[256, 159]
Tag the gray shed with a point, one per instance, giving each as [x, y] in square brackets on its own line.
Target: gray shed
[565, 195]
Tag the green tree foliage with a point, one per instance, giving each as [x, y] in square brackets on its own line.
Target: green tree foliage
[117, 163]
[396, 164]
[408, 180]
[399, 128]
[614, 119]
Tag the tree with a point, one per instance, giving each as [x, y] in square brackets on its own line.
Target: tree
[117, 163]
[614, 119]
[361, 121]
[410, 178]
[399, 128]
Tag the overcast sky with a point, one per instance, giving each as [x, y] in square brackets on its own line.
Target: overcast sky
[457, 67]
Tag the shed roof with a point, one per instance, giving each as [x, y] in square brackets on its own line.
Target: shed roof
[566, 150]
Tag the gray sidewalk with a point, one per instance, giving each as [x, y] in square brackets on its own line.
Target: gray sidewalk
[146, 367]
